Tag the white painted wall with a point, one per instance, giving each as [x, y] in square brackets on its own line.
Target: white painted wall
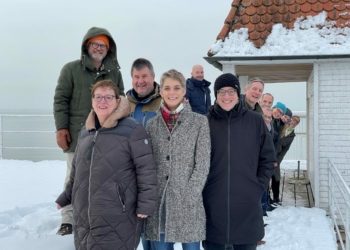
[334, 122]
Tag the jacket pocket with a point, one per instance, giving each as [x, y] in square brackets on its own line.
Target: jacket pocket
[121, 195]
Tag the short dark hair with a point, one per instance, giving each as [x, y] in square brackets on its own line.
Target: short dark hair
[141, 63]
[106, 84]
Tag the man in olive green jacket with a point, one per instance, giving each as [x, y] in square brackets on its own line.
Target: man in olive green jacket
[72, 100]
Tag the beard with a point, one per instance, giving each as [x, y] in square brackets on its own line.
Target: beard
[97, 58]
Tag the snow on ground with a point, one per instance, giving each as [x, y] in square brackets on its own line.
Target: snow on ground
[306, 38]
[29, 218]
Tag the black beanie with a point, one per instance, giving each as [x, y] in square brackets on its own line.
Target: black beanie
[289, 113]
[227, 80]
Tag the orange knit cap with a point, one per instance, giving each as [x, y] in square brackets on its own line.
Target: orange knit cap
[103, 38]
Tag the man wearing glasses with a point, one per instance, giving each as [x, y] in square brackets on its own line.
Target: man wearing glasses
[72, 100]
[242, 158]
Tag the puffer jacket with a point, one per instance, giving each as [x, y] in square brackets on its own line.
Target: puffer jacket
[113, 178]
[198, 95]
[72, 100]
[242, 158]
[183, 159]
[146, 109]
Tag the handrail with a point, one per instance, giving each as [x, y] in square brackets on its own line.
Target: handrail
[2, 132]
[336, 184]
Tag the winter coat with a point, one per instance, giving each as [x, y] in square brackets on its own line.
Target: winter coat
[242, 158]
[283, 146]
[113, 178]
[183, 159]
[72, 100]
[256, 107]
[277, 129]
[146, 109]
[198, 95]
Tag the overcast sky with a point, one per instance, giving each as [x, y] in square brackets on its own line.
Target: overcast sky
[39, 36]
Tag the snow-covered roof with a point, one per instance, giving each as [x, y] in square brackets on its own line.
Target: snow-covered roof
[285, 27]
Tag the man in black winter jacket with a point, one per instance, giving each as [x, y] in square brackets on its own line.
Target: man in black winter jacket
[242, 159]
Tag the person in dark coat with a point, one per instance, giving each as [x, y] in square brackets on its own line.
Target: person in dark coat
[113, 182]
[287, 137]
[242, 158]
[197, 91]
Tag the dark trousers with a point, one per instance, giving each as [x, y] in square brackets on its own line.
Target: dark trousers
[275, 186]
[209, 245]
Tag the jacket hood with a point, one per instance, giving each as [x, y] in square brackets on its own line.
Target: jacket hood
[121, 112]
[192, 81]
[96, 31]
[237, 110]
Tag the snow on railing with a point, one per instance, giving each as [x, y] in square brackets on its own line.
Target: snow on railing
[2, 132]
[339, 203]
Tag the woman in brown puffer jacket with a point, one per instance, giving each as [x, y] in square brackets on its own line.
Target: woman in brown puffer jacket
[113, 183]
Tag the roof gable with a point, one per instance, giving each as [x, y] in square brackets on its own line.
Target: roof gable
[258, 16]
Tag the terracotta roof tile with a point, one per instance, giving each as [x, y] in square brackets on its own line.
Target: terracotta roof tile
[258, 16]
[294, 8]
[289, 2]
[300, 1]
[318, 7]
[250, 10]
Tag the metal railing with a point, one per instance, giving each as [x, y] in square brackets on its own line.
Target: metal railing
[339, 204]
[3, 132]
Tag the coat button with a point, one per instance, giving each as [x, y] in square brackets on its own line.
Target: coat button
[169, 138]
[167, 177]
[168, 157]
[179, 122]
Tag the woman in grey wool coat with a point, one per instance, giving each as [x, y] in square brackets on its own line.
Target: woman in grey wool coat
[180, 140]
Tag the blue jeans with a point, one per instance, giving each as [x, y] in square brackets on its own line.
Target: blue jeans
[209, 245]
[146, 244]
[264, 201]
[161, 245]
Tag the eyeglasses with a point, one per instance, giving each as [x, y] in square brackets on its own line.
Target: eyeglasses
[230, 92]
[96, 45]
[267, 117]
[108, 98]
[296, 120]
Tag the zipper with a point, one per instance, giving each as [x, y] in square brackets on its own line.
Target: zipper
[228, 178]
[143, 120]
[89, 195]
[121, 196]
[136, 233]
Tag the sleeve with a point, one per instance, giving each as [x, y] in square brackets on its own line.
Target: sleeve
[146, 171]
[267, 157]
[120, 84]
[63, 95]
[284, 149]
[202, 162]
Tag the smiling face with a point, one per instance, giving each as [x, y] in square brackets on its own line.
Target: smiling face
[172, 93]
[267, 101]
[285, 118]
[254, 93]
[295, 121]
[277, 113]
[226, 101]
[197, 72]
[142, 81]
[103, 108]
[97, 54]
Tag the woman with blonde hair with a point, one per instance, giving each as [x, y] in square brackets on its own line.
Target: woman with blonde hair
[180, 140]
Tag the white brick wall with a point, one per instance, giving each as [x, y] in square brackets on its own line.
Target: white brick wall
[333, 123]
